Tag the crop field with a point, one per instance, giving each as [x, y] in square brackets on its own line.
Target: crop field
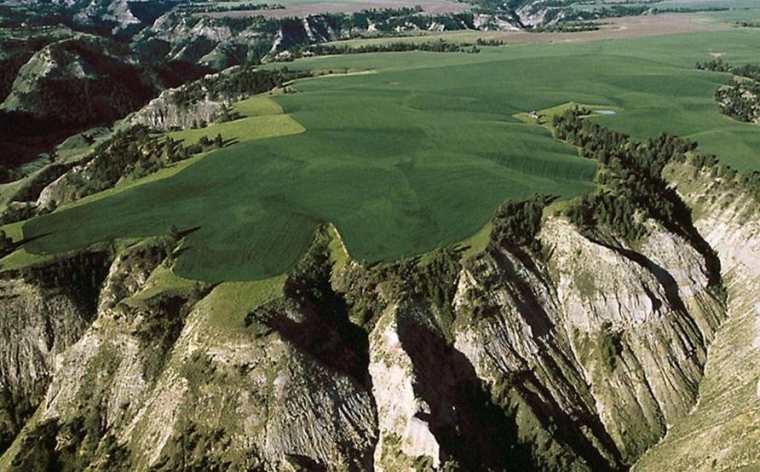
[415, 156]
[301, 8]
[612, 28]
[262, 118]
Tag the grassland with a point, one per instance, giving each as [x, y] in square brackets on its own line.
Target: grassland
[230, 302]
[263, 118]
[415, 156]
[544, 117]
[610, 28]
[303, 8]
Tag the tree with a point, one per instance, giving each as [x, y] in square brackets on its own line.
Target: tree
[174, 233]
[6, 243]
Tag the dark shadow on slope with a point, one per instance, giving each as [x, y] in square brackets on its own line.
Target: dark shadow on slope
[163, 321]
[683, 225]
[187, 232]
[302, 463]
[21, 242]
[526, 302]
[325, 334]
[566, 428]
[535, 394]
[664, 278]
[315, 318]
[470, 428]
[527, 259]
[230, 142]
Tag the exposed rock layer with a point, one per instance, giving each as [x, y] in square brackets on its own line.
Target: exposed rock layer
[538, 359]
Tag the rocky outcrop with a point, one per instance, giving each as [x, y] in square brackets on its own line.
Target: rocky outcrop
[486, 22]
[405, 433]
[595, 347]
[171, 111]
[217, 42]
[576, 352]
[114, 13]
[44, 311]
[723, 429]
[164, 114]
[156, 378]
[121, 17]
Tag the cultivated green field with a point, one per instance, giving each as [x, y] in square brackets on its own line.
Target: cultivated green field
[263, 118]
[415, 156]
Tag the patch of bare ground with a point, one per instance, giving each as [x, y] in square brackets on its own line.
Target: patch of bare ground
[624, 27]
[300, 11]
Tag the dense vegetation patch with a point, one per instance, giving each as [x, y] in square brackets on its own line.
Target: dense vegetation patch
[434, 46]
[518, 223]
[630, 177]
[237, 84]
[220, 6]
[609, 345]
[632, 188]
[740, 98]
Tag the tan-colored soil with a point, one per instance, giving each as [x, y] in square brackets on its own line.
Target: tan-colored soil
[429, 6]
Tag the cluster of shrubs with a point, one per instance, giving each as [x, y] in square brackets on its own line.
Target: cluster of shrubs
[206, 8]
[631, 174]
[633, 187]
[131, 154]
[434, 46]
[740, 98]
[750, 71]
[518, 223]
[489, 42]
[567, 27]
[240, 83]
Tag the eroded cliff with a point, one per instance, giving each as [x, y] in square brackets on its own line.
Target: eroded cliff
[575, 351]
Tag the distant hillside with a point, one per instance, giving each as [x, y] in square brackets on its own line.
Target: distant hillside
[73, 84]
[106, 17]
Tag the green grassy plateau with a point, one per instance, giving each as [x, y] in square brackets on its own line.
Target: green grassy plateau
[413, 157]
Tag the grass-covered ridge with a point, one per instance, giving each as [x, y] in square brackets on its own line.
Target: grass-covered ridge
[261, 118]
[415, 156]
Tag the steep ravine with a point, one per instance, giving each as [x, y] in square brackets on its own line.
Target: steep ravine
[44, 311]
[722, 432]
[569, 355]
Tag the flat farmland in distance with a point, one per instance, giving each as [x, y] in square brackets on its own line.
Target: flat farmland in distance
[306, 8]
[415, 156]
[613, 28]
